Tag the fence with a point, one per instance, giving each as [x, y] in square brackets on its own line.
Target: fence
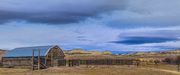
[77, 62]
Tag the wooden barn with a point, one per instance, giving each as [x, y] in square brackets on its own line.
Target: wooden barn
[2, 52]
[45, 56]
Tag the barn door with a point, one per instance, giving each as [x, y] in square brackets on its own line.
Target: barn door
[54, 56]
[55, 62]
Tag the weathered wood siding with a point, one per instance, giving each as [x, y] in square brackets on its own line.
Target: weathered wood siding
[52, 58]
[20, 61]
[77, 62]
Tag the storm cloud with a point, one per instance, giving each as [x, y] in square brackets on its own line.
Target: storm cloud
[56, 11]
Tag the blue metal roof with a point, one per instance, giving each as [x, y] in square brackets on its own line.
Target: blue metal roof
[27, 51]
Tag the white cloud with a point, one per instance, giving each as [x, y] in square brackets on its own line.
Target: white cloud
[149, 18]
[32, 34]
[81, 35]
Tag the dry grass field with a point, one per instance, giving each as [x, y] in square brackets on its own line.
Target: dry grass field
[95, 70]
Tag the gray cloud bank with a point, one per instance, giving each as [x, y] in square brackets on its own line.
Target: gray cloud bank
[55, 11]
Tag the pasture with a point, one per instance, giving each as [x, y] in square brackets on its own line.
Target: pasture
[97, 70]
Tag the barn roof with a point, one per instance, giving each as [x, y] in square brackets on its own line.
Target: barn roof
[27, 51]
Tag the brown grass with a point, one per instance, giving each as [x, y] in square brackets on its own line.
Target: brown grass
[11, 70]
[162, 66]
[84, 70]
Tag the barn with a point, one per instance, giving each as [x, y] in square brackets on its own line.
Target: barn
[45, 56]
[2, 52]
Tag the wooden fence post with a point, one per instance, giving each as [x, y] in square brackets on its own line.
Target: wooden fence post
[33, 60]
[52, 61]
[178, 67]
[39, 60]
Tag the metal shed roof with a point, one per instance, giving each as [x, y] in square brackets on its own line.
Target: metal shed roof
[27, 51]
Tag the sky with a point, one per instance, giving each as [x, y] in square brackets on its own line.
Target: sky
[115, 25]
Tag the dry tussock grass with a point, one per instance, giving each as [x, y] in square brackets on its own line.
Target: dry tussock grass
[91, 70]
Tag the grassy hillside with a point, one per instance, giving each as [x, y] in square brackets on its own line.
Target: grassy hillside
[86, 52]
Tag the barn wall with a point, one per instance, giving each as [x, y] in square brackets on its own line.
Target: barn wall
[1, 54]
[20, 61]
[54, 56]
[13, 62]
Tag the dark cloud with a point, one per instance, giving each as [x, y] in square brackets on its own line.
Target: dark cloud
[56, 11]
[143, 40]
[52, 18]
